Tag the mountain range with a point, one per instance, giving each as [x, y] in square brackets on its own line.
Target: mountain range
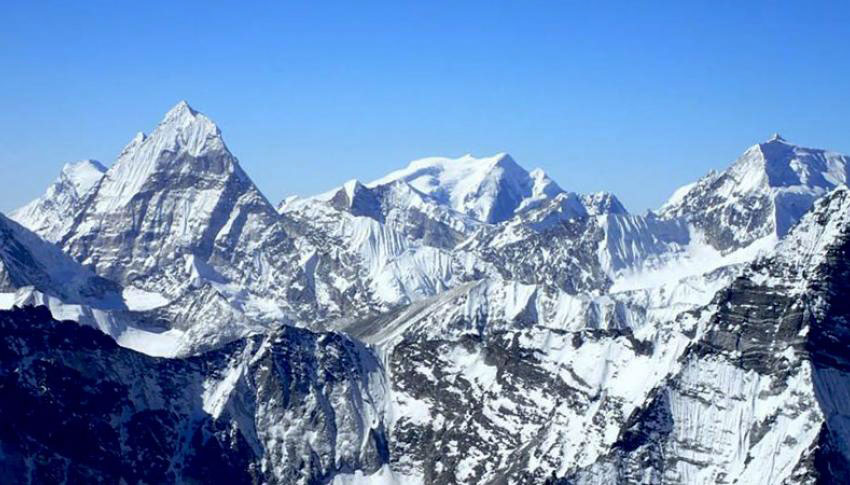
[455, 321]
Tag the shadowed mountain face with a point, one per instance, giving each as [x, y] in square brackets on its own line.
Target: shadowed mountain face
[293, 407]
[456, 321]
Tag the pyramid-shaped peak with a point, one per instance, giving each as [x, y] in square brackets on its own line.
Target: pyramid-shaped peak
[184, 127]
[182, 115]
[182, 108]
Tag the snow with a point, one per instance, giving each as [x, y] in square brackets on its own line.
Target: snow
[51, 214]
[140, 300]
[490, 189]
[55, 272]
[182, 130]
[83, 174]
[163, 344]
[679, 195]
[384, 476]
[7, 301]
[698, 258]
[774, 177]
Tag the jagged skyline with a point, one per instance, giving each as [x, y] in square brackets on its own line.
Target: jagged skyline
[311, 97]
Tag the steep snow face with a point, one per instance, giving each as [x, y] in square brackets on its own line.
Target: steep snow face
[578, 243]
[761, 397]
[26, 260]
[182, 134]
[498, 381]
[176, 212]
[762, 194]
[400, 253]
[52, 214]
[490, 189]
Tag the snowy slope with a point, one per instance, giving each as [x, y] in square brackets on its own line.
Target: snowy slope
[761, 397]
[490, 189]
[52, 214]
[761, 195]
[679, 384]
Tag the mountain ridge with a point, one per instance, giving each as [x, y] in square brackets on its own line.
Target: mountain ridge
[457, 321]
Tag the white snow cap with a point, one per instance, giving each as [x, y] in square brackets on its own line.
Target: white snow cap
[83, 174]
[490, 189]
[182, 131]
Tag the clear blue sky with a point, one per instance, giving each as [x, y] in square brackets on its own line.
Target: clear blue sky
[631, 99]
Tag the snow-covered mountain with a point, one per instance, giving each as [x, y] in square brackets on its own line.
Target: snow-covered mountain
[761, 195]
[52, 214]
[467, 321]
[491, 189]
[293, 407]
[176, 217]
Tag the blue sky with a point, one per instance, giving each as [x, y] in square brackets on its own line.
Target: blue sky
[633, 99]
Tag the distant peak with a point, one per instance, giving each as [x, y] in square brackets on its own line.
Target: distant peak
[82, 174]
[88, 164]
[502, 158]
[182, 114]
[603, 203]
[351, 187]
[182, 107]
[776, 137]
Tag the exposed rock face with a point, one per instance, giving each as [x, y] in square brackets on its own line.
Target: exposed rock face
[294, 407]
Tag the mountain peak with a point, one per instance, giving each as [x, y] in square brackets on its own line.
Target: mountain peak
[83, 166]
[489, 189]
[503, 158]
[181, 109]
[82, 175]
[183, 128]
[763, 193]
[184, 141]
[776, 137]
[51, 214]
[600, 203]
